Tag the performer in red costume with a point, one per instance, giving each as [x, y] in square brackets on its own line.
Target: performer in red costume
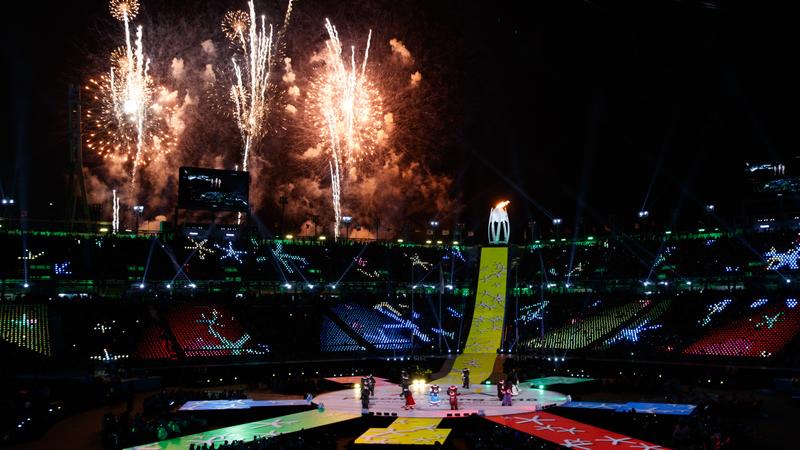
[452, 392]
[409, 399]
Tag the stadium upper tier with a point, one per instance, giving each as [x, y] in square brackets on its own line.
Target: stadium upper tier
[124, 264]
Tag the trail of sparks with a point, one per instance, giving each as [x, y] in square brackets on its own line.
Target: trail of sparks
[114, 212]
[250, 88]
[349, 112]
[130, 97]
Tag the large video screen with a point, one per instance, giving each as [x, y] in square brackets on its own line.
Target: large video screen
[226, 190]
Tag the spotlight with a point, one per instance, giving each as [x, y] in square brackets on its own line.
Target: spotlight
[192, 285]
[643, 214]
[287, 285]
[709, 208]
[169, 286]
[26, 285]
[557, 221]
[141, 285]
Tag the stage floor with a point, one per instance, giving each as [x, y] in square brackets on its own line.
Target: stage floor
[479, 399]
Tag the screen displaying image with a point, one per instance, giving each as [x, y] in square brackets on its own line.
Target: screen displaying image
[213, 189]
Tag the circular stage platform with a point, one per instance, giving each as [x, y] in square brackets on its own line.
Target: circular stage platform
[480, 399]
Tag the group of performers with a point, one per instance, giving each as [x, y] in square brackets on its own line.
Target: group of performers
[367, 390]
[506, 389]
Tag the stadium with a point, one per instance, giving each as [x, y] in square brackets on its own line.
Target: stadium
[290, 225]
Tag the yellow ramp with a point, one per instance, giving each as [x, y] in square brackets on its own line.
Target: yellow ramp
[486, 329]
[407, 430]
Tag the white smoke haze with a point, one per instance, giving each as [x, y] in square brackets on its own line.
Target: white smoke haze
[208, 76]
[400, 51]
[177, 68]
[288, 76]
[209, 48]
[416, 78]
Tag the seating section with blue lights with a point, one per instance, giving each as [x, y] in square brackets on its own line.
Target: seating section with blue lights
[333, 339]
[372, 325]
[639, 329]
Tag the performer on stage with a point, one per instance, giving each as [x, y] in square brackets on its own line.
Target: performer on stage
[465, 377]
[364, 398]
[452, 392]
[434, 395]
[404, 382]
[507, 396]
[371, 385]
[501, 386]
[513, 379]
[409, 398]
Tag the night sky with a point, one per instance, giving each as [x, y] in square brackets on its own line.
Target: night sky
[574, 109]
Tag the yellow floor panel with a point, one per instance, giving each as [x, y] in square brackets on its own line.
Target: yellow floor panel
[486, 330]
[406, 430]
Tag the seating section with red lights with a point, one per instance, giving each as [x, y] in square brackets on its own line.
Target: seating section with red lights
[154, 344]
[210, 330]
[762, 330]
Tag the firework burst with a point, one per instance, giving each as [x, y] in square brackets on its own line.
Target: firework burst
[235, 24]
[124, 10]
[124, 106]
[347, 111]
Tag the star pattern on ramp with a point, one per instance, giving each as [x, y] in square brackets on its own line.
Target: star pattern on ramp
[580, 444]
[535, 419]
[644, 446]
[276, 423]
[614, 441]
[581, 436]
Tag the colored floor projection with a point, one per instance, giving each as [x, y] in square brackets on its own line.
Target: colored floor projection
[407, 430]
[542, 383]
[355, 380]
[216, 405]
[247, 431]
[569, 433]
[486, 330]
[671, 409]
